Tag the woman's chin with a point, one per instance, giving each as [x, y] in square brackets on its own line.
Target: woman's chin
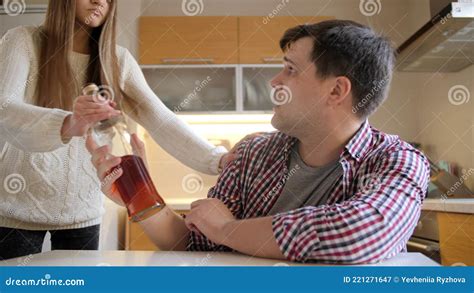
[93, 25]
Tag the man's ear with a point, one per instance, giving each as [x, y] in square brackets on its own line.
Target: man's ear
[340, 92]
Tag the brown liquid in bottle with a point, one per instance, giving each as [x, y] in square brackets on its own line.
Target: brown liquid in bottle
[137, 189]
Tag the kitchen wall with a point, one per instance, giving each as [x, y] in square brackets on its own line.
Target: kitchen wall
[418, 107]
[446, 122]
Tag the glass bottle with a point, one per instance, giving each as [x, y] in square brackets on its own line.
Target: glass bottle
[135, 185]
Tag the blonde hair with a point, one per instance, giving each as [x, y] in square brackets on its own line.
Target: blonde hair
[57, 86]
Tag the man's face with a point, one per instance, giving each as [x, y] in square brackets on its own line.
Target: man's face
[301, 102]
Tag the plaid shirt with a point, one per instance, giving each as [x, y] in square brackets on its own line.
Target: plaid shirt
[370, 213]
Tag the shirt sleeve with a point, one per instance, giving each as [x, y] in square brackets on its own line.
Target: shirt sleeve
[228, 190]
[25, 126]
[166, 128]
[373, 225]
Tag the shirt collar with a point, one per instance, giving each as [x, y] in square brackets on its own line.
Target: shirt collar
[289, 143]
[359, 144]
[357, 147]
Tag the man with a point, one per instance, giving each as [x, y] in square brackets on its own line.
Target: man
[327, 186]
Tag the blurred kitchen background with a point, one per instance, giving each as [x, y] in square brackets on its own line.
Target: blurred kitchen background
[210, 61]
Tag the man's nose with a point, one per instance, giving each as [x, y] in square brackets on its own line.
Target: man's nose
[276, 80]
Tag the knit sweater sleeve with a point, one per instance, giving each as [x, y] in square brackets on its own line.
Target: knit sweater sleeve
[166, 128]
[25, 126]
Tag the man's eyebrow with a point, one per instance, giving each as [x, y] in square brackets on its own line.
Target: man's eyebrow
[286, 59]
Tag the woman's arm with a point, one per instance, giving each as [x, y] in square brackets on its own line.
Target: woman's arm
[167, 129]
[32, 128]
[25, 126]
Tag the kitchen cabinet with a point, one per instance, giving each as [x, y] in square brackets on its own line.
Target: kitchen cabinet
[213, 88]
[194, 88]
[188, 40]
[446, 228]
[256, 88]
[259, 36]
[456, 238]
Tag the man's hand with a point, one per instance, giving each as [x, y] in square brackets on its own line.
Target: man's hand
[107, 166]
[108, 169]
[213, 219]
[210, 217]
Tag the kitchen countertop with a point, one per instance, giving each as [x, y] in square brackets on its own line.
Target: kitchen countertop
[181, 204]
[181, 258]
[453, 205]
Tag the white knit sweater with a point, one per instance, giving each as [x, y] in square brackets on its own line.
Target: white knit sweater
[45, 184]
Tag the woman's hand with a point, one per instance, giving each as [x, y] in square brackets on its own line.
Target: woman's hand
[232, 154]
[87, 111]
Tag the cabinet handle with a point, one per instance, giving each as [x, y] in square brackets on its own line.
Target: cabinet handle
[187, 60]
[423, 247]
[272, 59]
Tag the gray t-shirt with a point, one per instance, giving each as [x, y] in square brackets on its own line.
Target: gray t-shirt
[306, 185]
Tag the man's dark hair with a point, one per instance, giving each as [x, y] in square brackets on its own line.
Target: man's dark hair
[346, 48]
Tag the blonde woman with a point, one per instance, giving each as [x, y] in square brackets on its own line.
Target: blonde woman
[48, 182]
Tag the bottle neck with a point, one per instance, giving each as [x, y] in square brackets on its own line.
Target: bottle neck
[115, 135]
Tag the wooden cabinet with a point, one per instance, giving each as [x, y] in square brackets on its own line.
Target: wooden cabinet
[456, 238]
[259, 36]
[215, 39]
[135, 237]
[186, 40]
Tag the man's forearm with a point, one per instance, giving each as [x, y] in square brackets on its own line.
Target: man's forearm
[253, 237]
[167, 230]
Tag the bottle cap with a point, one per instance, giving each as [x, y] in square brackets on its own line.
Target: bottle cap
[90, 89]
